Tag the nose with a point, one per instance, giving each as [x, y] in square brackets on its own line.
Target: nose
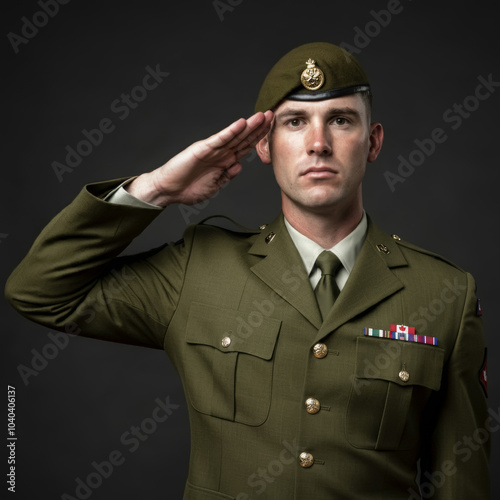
[319, 140]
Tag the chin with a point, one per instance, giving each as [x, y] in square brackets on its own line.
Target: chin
[320, 206]
[323, 200]
[320, 201]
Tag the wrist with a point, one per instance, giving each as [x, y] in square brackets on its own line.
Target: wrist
[145, 189]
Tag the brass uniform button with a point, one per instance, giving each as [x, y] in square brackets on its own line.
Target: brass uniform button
[226, 342]
[320, 350]
[306, 459]
[270, 237]
[312, 406]
[404, 375]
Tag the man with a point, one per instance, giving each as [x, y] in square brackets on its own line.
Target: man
[308, 376]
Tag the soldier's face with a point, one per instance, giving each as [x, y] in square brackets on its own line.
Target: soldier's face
[319, 152]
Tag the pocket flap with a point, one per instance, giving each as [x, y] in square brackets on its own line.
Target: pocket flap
[385, 359]
[249, 333]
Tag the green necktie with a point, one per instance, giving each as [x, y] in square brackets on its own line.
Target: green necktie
[327, 290]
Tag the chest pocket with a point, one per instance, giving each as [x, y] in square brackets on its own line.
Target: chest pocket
[393, 380]
[229, 363]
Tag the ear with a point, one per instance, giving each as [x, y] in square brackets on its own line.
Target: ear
[376, 140]
[263, 150]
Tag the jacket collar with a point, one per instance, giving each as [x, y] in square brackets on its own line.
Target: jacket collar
[370, 281]
[283, 271]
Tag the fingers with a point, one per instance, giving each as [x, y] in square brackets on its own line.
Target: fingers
[257, 127]
[242, 132]
[250, 142]
[233, 171]
[256, 135]
[225, 136]
[229, 174]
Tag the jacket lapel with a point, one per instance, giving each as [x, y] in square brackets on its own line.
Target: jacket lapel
[370, 281]
[283, 271]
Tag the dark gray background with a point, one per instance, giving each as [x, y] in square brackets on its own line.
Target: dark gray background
[425, 60]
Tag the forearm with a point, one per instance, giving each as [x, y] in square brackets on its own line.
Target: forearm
[73, 255]
[70, 264]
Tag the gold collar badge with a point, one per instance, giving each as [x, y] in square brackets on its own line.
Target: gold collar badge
[312, 77]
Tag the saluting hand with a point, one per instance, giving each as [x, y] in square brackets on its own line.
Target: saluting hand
[199, 171]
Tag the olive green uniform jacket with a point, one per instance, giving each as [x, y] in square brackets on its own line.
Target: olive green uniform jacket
[236, 314]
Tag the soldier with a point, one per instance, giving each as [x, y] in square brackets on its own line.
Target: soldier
[309, 370]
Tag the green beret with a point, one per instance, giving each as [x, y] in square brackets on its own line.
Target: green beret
[312, 72]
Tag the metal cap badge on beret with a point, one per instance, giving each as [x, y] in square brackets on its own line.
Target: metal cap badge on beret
[312, 72]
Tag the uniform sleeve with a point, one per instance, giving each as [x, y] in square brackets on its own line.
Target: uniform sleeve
[121, 197]
[455, 463]
[72, 279]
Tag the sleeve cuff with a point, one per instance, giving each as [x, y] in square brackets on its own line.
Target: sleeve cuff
[121, 197]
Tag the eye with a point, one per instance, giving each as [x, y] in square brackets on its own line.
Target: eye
[294, 122]
[339, 120]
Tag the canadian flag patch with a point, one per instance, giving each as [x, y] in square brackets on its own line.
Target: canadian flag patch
[403, 329]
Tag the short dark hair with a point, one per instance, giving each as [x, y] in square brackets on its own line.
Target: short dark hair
[367, 97]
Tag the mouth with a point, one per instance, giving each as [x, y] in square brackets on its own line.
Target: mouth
[319, 172]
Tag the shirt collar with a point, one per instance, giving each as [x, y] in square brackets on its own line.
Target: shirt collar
[346, 250]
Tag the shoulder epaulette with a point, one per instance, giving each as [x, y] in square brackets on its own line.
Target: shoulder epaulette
[233, 223]
[418, 249]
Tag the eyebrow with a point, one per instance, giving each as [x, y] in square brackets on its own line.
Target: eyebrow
[331, 112]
